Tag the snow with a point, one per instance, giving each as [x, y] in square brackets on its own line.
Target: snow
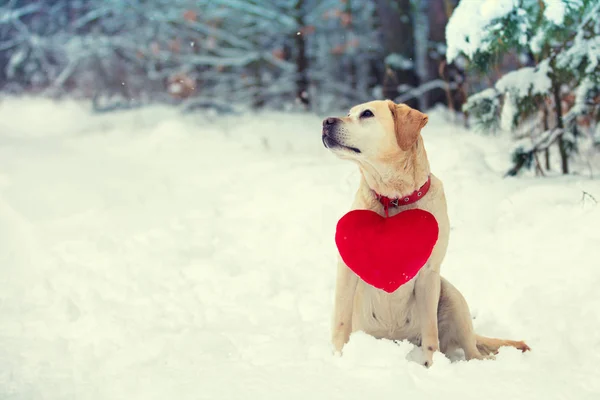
[583, 50]
[467, 27]
[554, 11]
[398, 61]
[508, 113]
[536, 44]
[527, 80]
[148, 255]
[582, 91]
[492, 9]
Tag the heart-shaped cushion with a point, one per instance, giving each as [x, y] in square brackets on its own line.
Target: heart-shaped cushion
[386, 252]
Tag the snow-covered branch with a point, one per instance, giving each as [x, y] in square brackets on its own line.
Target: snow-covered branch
[525, 153]
[8, 15]
[411, 93]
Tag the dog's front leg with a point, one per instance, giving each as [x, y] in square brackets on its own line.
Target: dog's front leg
[345, 289]
[427, 295]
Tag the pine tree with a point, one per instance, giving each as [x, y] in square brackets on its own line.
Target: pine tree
[556, 44]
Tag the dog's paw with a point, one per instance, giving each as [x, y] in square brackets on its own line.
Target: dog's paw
[338, 341]
[428, 362]
[428, 352]
[423, 356]
[521, 345]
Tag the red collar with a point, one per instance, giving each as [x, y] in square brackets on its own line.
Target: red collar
[403, 201]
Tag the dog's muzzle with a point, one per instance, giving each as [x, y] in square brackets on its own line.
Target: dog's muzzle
[329, 137]
[328, 124]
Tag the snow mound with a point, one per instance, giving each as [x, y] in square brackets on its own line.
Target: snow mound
[148, 255]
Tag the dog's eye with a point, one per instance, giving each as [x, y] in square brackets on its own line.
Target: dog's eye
[366, 114]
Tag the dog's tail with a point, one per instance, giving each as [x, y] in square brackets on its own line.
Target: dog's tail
[487, 345]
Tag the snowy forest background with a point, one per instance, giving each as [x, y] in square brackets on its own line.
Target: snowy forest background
[526, 67]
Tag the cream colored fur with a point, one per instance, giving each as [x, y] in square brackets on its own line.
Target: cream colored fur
[428, 310]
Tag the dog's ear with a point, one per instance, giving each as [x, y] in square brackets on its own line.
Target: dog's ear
[408, 123]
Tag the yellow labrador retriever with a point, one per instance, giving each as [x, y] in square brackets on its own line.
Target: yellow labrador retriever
[384, 139]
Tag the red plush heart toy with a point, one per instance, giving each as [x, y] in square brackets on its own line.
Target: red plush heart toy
[386, 252]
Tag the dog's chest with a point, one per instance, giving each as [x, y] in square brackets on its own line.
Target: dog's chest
[386, 315]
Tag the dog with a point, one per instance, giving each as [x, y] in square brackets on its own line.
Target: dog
[384, 139]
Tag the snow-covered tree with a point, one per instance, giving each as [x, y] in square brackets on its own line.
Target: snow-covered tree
[310, 54]
[274, 53]
[27, 55]
[555, 46]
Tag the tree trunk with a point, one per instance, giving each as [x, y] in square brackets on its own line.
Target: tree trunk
[397, 23]
[301, 59]
[438, 13]
[546, 127]
[421, 32]
[559, 120]
[258, 100]
[351, 63]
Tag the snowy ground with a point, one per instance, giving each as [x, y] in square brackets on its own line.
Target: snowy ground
[149, 256]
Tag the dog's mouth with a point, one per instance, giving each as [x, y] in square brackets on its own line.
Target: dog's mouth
[332, 144]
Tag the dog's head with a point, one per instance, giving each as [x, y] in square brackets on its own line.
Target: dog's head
[376, 132]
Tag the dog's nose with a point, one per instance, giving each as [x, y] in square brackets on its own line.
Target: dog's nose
[330, 121]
